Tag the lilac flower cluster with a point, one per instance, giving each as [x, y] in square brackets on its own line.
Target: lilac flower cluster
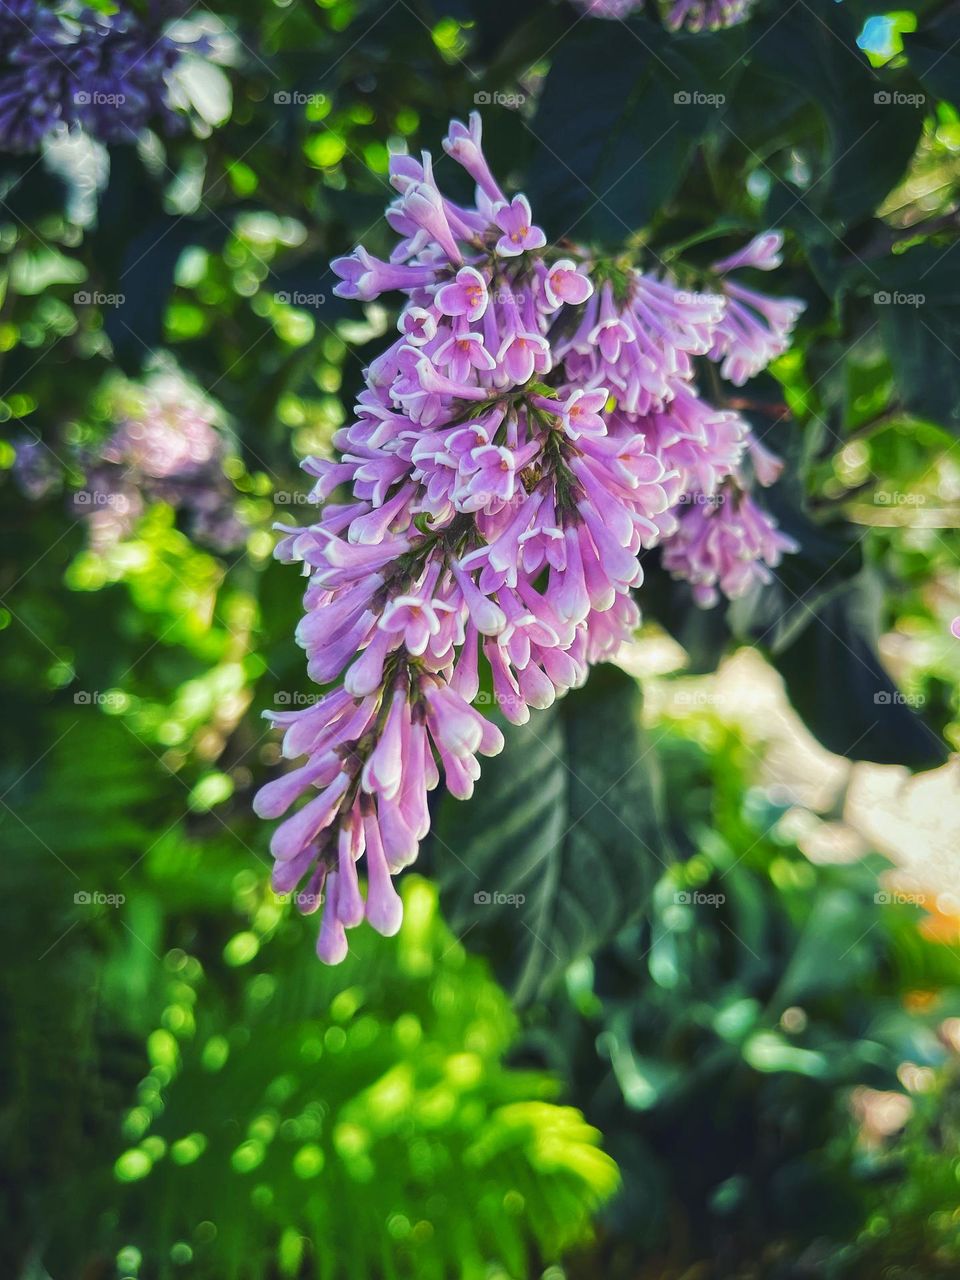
[694, 15]
[533, 429]
[706, 15]
[609, 8]
[166, 448]
[106, 74]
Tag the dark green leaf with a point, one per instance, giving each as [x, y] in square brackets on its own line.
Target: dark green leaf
[145, 282]
[568, 816]
[836, 682]
[934, 53]
[871, 132]
[827, 558]
[620, 115]
[916, 295]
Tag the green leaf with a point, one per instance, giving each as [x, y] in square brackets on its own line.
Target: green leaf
[934, 54]
[871, 130]
[916, 296]
[621, 112]
[836, 682]
[704, 633]
[827, 558]
[145, 281]
[568, 818]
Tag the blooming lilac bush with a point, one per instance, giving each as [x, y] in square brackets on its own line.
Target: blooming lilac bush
[108, 75]
[165, 447]
[535, 427]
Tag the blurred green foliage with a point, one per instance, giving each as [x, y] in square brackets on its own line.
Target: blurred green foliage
[775, 993]
[383, 1134]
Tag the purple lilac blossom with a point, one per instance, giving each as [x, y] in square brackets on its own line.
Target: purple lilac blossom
[728, 545]
[36, 472]
[105, 74]
[694, 15]
[534, 428]
[706, 15]
[609, 8]
[166, 447]
[755, 328]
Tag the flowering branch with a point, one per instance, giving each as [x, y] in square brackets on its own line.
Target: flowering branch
[534, 428]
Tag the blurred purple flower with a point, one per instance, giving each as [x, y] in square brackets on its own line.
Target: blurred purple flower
[695, 15]
[106, 74]
[166, 447]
